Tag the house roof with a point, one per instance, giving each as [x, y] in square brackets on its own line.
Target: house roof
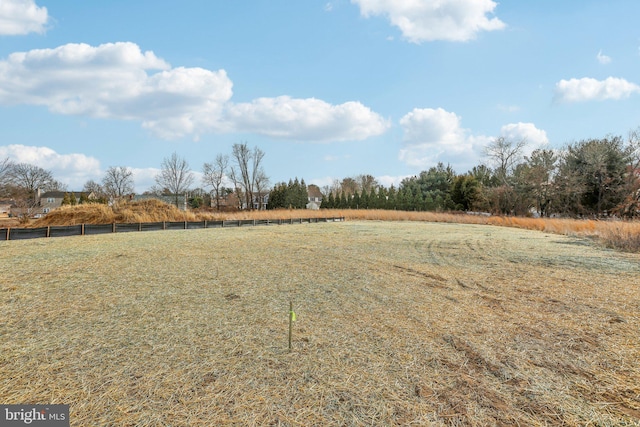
[314, 191]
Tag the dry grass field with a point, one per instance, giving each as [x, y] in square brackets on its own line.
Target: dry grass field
[398, 323]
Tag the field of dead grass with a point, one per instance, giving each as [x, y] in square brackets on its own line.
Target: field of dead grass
[398, 323]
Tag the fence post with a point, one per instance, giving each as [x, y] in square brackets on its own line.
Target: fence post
[8, 232]
[48, 231]
[82, 230]
[113, 227]
[139, 226]
[185, 225]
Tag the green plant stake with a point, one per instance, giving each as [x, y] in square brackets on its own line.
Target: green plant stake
[292, 318]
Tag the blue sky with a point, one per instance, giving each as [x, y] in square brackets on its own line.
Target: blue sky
[327, 89]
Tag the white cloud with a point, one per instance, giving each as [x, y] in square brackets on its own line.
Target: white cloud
[535, 138]
[433, 135]
[603, 59]
[71, 169]
[419, 21]
[328, 7]
[388, 181]
[119, 81]
[113, 81]
[306, 119]
[19, 17]
[588, 89]
[436, 135]
[527, 131]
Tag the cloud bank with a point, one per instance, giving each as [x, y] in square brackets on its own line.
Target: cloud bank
[20, 17]
[120, 81]
[588, 89]
[420, 21]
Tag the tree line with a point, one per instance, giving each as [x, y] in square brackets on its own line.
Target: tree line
[591, 177]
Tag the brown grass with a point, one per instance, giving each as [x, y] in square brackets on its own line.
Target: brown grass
[399, 323]
[614, 234]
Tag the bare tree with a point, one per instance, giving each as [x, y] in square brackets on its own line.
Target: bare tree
[505, 154]
[118, 182]
[367, 183]
[213, 175]
[262, 183]
[249, 164]
[237, 185]
[175, 175]
[30, 178]
[25, 182]
[5, 170]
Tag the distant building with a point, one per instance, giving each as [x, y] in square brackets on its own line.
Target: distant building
[5, 208]
[51, 200]
[315, 197]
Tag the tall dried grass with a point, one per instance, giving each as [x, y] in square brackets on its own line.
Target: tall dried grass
[619, 235]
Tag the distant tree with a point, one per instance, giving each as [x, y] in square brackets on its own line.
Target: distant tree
[213, 176]
[343, 202]
[348, 186]
[175, 176]
[5, 170]
[66, 200]
[355, 202]
[391, 198]
[261, 181]
[30, 178]
[118, 182]
[598, 168]
[99, 195]
[278, 196]
[84, 199]
[539, 172]
[381, 198]
[247, 170]
[367, 183]
[328, 202]
[437, 181]
[504, 154]
[465, 192]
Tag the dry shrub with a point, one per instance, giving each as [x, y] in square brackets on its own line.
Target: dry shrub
[622, 236]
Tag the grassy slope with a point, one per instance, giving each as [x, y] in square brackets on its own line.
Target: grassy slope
[398, 323]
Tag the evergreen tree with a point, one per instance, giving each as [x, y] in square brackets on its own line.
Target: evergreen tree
[381, 198]
[373, 199]
[355, 202]
[66, 200]
[277, 197]
[330, 201]
[343, 204]
[429, 204]
[364, 200]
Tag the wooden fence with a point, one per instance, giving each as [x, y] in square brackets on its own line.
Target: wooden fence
[90, 229]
